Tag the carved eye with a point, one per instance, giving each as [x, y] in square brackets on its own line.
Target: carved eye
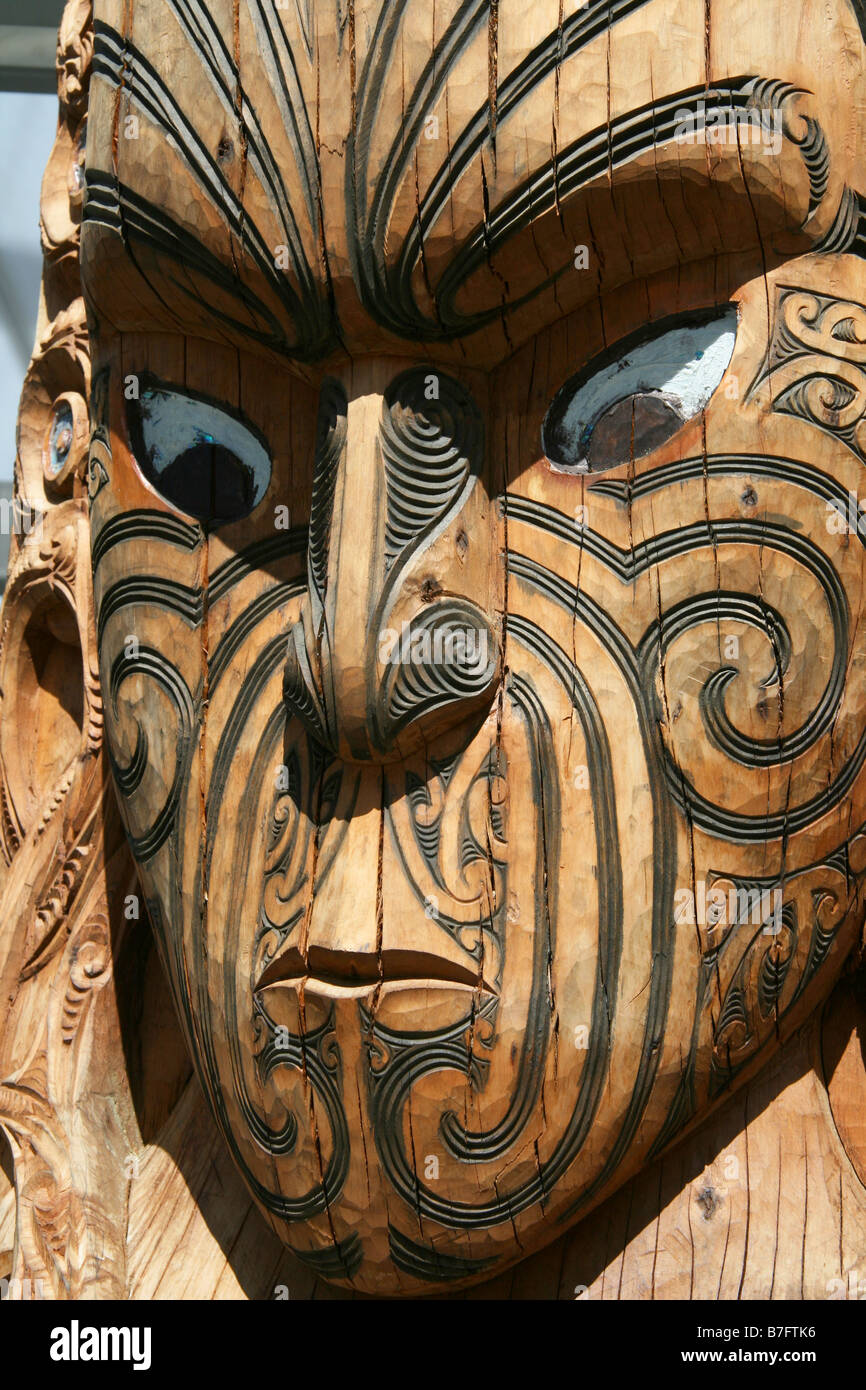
[200, 457]
[633, 397]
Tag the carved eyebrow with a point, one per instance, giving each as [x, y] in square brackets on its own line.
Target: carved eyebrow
[589, 22]
[296, 315]
[110, 202]
[115, 205]
[606, 147]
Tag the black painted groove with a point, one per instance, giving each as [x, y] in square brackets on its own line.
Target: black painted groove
[385, 293]
[315, 1055]
[432, 451]
[151, 664]
[254, 557]
[145, 526]
[407, 1059]
[778, 469]
[715, 820]
[235, 636]
[342, 1260]
[331, 436]
[485, 1145]
[427, 1263]
[115, 205]
[151, 592]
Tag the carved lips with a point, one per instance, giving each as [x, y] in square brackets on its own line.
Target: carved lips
[353, 974]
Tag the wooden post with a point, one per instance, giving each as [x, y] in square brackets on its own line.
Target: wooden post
[441, 465]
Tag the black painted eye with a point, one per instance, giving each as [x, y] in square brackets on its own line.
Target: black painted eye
[639, 393]
[199, 456]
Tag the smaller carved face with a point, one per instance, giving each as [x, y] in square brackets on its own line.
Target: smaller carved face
[483, 669]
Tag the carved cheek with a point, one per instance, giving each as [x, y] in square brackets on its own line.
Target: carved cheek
[700, 616]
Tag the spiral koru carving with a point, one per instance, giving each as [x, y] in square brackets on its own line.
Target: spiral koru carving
[449, 653]
[432, 441]
[816, 364]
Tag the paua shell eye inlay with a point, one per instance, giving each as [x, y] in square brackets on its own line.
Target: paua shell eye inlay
[60, 438]
[199, 456]
[632, 398]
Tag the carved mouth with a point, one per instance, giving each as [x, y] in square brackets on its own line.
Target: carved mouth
[356, 973]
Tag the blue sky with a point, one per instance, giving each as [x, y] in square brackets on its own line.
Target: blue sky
[29, 122]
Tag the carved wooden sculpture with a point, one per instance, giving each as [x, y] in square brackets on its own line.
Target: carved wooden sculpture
[474, 652]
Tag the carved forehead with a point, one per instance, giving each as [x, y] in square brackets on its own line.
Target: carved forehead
[309, 177]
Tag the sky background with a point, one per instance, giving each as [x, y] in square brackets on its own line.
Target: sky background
[29, 121]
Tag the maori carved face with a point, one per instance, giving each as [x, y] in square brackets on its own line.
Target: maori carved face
[477, 443]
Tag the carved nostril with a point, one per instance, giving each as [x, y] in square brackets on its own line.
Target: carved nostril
[448, 656]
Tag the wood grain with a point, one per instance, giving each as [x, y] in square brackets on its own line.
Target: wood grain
[432, 792]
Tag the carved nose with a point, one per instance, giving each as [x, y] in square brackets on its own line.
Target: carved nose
[393, 643]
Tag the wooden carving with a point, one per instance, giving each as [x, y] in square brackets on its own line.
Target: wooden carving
[445, 562]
